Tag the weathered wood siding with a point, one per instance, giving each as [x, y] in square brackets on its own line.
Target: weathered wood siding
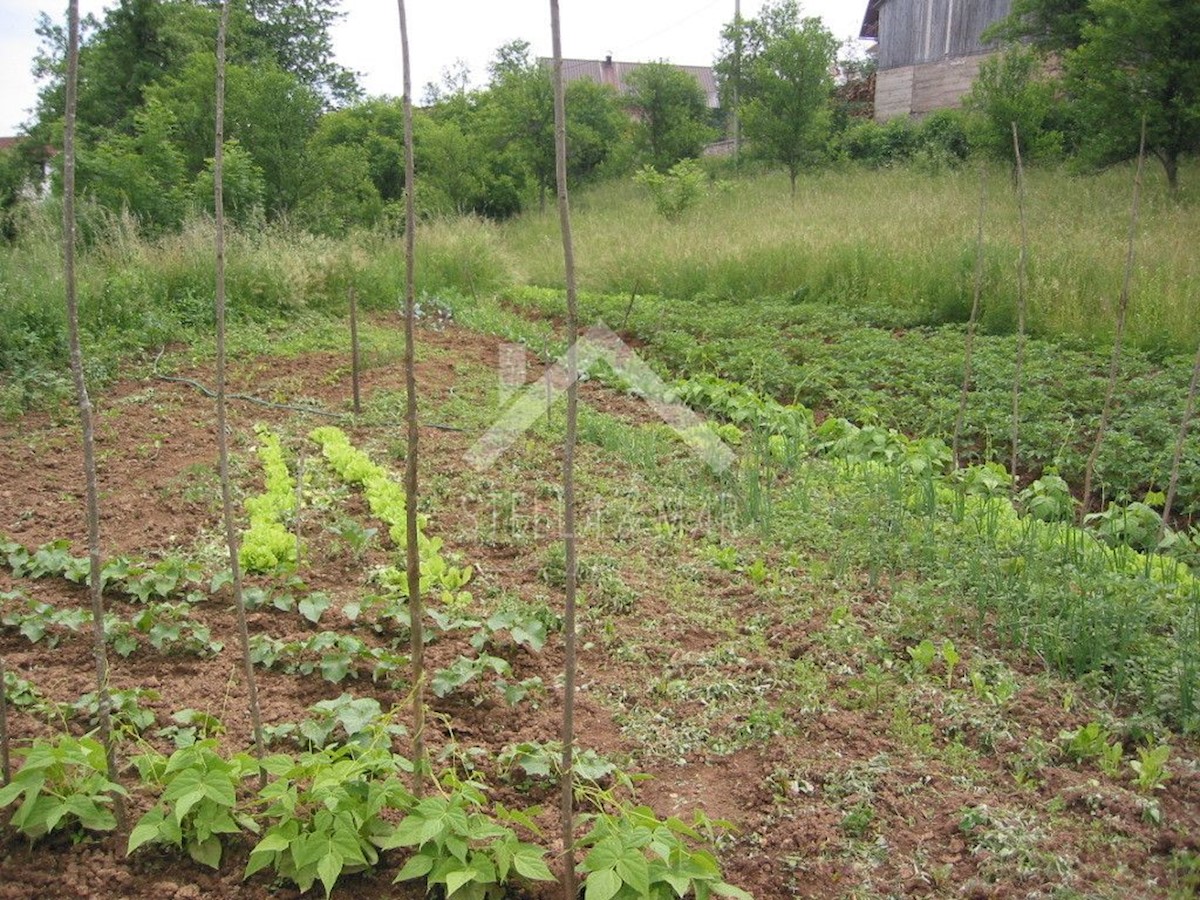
[917, 90]
[912, 32]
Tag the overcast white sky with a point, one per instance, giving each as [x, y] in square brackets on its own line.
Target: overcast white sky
[441, 31]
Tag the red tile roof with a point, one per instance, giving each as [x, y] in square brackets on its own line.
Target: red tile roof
[614, 73]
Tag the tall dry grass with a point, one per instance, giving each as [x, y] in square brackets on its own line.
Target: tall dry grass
[900, 240]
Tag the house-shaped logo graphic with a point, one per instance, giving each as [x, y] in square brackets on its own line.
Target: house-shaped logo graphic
[598, 344]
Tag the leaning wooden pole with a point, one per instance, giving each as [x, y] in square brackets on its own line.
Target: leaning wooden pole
[95, 587]
[5, 758]
[569, 541]
[412, 536]
[1022, 262]
[1180, 439]
[1119, 336]
[231, 535]
[972, 322]
[354, 363]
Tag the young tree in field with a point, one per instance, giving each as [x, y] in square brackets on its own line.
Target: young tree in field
[95, 584]
[570, 890]
[785, 83]
[671, 112]
[416, 610]
[231, 535]
[1012, 87]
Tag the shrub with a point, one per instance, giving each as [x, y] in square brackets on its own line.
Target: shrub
[675, 192]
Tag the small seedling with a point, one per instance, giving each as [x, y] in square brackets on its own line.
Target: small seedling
[1150, 768]
[950, 657]
[922, 655]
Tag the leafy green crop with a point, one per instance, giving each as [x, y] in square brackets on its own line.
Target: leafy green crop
[336, 656]
[1150, 768]
[198, 802]
[328, 809]
[386, 500]
[360, 720]
[141, 581]
[267, 545]
[543, 759]
[471, 854]
[62, 785]
[634, 854]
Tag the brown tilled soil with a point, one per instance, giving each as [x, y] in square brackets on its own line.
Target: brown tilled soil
[832, 797]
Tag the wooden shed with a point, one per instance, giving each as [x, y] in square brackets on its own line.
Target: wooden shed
[929, 51]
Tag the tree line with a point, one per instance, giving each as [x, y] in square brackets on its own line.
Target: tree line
[304, 145]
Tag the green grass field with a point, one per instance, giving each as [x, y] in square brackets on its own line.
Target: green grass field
[897, 241]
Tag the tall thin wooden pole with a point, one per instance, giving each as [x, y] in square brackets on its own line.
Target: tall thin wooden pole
[231, 534]
[5, 761]
[354, 350]
[413, 561]
[1019, 363]
[737, 79]
[569, 540]
[84, 402]
[1180, 439]
[972, 322]
[1119, 336]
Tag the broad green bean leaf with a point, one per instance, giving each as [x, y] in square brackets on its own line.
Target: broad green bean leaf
[602, 885]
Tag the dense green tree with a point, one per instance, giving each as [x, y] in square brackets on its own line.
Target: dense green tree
[376, 127]
[670, 112]
[1139, 58]
[1051, 25]
[1123, 59]
[243, 190]
[295, 34]
[517, 114]
[268, 111]
[145, 56]
[1012, 87]
[13, 182]
[785, 83]
[142, 173]
[336, 193]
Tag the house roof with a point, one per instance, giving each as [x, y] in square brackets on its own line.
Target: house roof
[870, 25]
[614, 73]
[7, 143]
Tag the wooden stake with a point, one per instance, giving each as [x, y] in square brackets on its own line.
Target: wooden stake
[1188, 411]
[569, 541]
[300, 506]
[84, 402]
[1119, 337]
[972, 322]
[1019, 363]
[231, 534]
[413, 561]
[354, 368]
[5, 761]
